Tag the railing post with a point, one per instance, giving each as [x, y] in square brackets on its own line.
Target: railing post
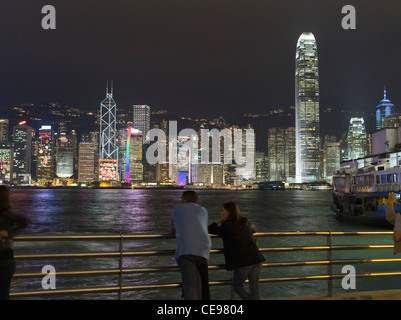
[120, 265]
[330, 266]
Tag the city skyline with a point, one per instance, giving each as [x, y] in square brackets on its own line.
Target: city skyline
[168, 56]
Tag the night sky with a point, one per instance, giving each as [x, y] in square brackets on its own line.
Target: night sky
[196, 58]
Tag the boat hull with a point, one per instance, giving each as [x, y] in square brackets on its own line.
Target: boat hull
[380, 222]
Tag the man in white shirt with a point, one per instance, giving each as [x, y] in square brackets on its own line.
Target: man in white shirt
[189, 223]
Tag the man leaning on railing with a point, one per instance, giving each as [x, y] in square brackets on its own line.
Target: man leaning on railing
[395, 219]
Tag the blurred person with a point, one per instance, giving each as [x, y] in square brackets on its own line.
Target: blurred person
[395, 219]
[10, 223]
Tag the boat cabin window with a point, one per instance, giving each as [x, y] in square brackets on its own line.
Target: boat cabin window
[396, 177]
[383, 178]
[389, 178]
[365, 180]
[377, 179]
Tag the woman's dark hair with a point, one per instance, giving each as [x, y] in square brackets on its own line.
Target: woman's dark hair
[235, 215]
[5, 200]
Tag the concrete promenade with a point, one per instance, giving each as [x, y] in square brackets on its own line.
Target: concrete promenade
[363, 295]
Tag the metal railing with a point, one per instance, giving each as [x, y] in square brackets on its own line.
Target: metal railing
[121, 253]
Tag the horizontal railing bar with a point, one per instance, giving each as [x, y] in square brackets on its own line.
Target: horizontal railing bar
[68, 273]
[333, 247]
[112, 271]
[210, 267]
[105, 254]
[178, 285]
[324, 233]
[169, 236]
[19, 294]
[96, 237]
[326, 262]
[108, 254]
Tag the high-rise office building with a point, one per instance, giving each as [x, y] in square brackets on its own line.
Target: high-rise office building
[107, 140]
[262, 167]
[3, 130]
[331, 157]
[45, 156]
[247, 171]
[65, 162]
[210, 174]
[357, 141]
[122, 139]
[134, 156]
[72, 142]
[5, 161]
[281, 155]
[383, 113]
[86, 162]
[276, 155]
[141, 119]
[183, 168]
[22, 147]
[307, 123]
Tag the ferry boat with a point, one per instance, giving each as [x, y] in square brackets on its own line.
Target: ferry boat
[362, 196]
[361, 186]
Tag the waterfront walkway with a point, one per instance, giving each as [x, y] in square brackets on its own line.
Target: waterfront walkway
[363, 295]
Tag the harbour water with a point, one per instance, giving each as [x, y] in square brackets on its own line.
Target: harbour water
[147, 211]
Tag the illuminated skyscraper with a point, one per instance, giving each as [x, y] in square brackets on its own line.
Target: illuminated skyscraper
[281, 156]
[141, 119]
[22, 146]
[3, 130]
[182, 161]
[65, 162]
[107, 144]
[247, 171]
[331, 157]
[276, 146]
[45, 162]
[5, 162]
[383, 111]
[307, 124]
[86, 162]
[134, 156]
[357, 143]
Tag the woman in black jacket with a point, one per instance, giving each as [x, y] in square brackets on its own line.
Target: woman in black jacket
[240, 250]
[9, 224]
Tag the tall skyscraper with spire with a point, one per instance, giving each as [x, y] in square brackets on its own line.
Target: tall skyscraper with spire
[107, 141]
[307, 123]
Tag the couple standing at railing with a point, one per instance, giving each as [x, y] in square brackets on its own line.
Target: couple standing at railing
[189, 223]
